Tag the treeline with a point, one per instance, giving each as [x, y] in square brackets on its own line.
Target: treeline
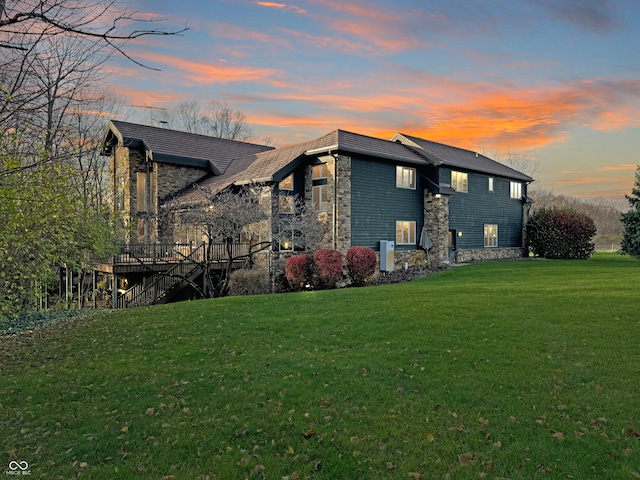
[605, 215]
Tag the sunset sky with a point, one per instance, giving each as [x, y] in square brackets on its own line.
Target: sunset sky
[557, 81]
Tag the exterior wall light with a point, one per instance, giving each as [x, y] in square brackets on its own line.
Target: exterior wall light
[459, 234]
[438, 195]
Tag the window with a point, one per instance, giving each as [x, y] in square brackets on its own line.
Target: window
[405, 233]
[320, 189]
[515, 190]
[491, 184]
[320, 172]
[491, 235]
[405, 177]
[286, 242]
[141, 191]
[459, 181]
[320, 198]
[286, 204]
[287, 183]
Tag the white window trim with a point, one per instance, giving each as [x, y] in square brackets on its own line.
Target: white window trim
[323, 206]
[490, 239]
[405, 173]
[454, 185]
[319, 168]
[411, 233]
[515, 190]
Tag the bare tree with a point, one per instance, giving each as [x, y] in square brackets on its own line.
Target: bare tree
[216, 119]
[225, 122]
[188, 116]
[245, 215]
[24, 23]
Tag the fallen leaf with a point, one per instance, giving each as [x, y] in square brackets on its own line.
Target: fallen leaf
[633, 433]
[415, 475]
[309, 433]
[635, 474]
[497, 445]
[467, 459]
[430, 438]
[483, 421]
[390, 466]
[125, 429]
[558, 435]
[578, 434]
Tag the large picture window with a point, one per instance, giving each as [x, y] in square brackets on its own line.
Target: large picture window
[405, 233]
[406, 177]
[491, 235]
[459, 181]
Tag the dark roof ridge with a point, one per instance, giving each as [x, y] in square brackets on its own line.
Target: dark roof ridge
[411, 137]
[174, 131]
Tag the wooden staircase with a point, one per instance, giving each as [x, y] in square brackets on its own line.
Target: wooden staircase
[161, 286]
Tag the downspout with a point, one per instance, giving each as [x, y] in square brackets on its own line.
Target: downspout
[335, 201]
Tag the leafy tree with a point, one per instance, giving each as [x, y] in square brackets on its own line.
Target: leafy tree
[44, 225]
[631, 221]
[560, 233]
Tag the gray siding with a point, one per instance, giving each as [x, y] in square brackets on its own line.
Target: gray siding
[469, 212]
[376, 203]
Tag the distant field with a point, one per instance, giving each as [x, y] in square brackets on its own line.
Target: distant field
[525, 369]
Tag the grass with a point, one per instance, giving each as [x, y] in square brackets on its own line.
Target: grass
[498, 370]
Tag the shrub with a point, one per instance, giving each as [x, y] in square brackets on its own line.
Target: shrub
[299, 270]
[560, 233]
[328, 267]
[249, 282]
[361, 264]
[631, 220]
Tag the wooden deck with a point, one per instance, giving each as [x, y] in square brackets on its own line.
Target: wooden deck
[158, 257]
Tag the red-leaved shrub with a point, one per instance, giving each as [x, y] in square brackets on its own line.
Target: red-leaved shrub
[299, 271]
[361, 264]
[328, 266]
[560, 233]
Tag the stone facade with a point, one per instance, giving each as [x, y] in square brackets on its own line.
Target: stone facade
[436, 220]
[486, 254]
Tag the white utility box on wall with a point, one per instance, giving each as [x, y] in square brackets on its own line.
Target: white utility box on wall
[386, 255]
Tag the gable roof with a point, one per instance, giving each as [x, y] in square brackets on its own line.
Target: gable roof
[178, 148]
[274, 165]
[446, 155]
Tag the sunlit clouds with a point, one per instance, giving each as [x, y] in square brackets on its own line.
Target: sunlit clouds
[555, 79]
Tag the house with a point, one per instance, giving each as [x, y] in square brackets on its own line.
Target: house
[422, 201]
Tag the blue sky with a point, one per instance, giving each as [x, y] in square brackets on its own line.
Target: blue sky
[557, 81]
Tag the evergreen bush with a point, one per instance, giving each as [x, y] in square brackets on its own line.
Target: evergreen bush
[631, 221]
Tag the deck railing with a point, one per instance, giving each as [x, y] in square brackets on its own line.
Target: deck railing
[176, 252]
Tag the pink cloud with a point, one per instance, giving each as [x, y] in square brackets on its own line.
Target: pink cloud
[283, 6]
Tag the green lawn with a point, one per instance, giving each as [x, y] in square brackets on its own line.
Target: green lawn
[526, 369]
